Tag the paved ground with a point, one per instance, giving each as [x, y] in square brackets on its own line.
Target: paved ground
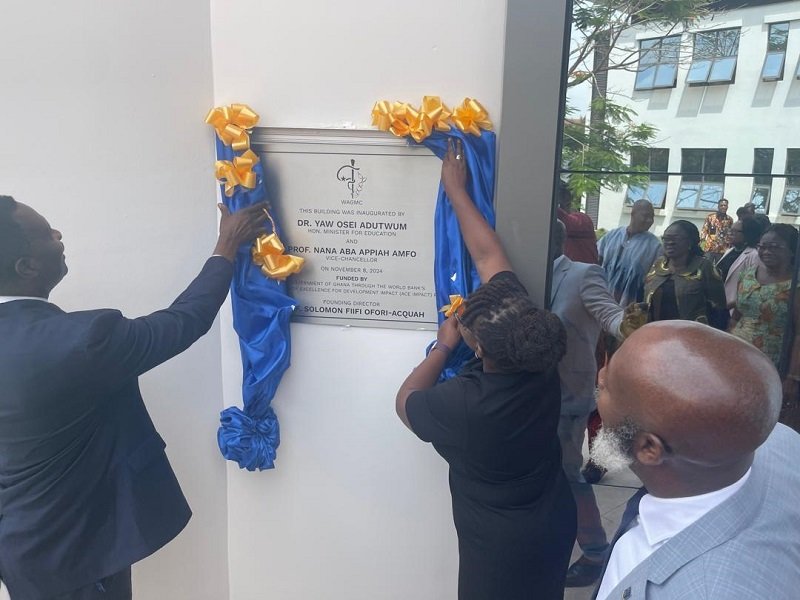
[612, 494]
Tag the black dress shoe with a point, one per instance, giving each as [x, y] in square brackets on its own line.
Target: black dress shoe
[583, 573]
[592, 473]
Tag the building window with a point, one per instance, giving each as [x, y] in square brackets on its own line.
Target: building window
[703, 178]
[654, 162]
[791, 197]
[714, 57]
[762, 178]
[776, 52]
[658, 63]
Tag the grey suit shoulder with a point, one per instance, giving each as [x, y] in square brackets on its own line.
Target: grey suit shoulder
[746, 548]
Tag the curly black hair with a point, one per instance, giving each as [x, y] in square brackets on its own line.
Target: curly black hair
[511, 331]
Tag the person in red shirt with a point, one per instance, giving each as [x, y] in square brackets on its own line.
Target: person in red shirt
[581, 242]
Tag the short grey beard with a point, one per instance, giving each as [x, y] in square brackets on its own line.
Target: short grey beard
[612, 449]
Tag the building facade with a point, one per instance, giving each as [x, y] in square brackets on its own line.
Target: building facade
[725, 97]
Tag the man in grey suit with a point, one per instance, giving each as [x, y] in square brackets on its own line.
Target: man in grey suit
[581, 299]
[693, 412]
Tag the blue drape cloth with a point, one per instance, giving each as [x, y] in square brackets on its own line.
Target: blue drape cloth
[262, 309]
[454, 271]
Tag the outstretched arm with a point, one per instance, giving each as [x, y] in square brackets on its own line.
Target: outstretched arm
[482, 242]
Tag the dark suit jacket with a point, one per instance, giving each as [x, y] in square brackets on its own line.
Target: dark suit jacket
[85, 486]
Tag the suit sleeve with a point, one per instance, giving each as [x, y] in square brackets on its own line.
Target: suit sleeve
[121, 348]
[599, 302]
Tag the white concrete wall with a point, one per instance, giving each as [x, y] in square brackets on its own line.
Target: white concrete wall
[102, 108]
[358, 508]
[747, 114]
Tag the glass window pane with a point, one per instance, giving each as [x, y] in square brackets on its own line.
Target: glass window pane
[687, 195]
[760, 198]
[773, 66]
[698, 72]
[659, 160]
[692, 160]
[722, 70]
[791, 201]
[666, 75]
[793, 166]
[762, 163]
[645, 78]
[710, 196]
[704, 45]
[634, 193]
[648, 57]
[728, 42]
[778, 35]
[640, 156]
[714, 164]
[670, 49]
[656, 193]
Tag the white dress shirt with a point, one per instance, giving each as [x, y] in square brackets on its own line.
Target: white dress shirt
[659, 520]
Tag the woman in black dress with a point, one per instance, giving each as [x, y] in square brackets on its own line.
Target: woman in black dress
[495, 424]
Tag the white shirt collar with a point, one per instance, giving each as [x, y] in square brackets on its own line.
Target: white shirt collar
[664, 518]
[557, 262]
[4, 299]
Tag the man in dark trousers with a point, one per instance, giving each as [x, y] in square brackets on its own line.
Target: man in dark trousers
[86, 488]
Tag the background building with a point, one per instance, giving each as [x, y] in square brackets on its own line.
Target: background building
[725, 97]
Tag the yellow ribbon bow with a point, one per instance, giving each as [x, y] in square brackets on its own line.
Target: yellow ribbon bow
[232, 124]
[456, 306]
[383, 114]
[238, 172]
[419, 124]
[268, 253]
[471, 117]
[437, 112]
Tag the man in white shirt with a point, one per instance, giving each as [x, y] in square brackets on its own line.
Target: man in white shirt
[692, 411]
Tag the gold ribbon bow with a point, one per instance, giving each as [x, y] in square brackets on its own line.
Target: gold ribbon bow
[383, 114]
[456, 306]
[471, 117]
[238, 172]
[437, 112]
[268, 253]
[232, 124]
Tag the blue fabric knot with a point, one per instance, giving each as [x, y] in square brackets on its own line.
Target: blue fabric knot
[251, 442]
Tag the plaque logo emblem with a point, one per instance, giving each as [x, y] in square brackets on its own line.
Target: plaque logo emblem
[351, 175]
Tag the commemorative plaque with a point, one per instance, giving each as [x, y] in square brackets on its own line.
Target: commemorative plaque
[358, 206]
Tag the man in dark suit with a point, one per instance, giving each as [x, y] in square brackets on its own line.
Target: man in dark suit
[86, 489]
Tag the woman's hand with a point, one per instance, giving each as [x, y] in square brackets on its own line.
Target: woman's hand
[449, 335]
[634, 317]
[454, 169]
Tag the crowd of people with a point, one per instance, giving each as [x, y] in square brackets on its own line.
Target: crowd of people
[691, 409]
[659, 312]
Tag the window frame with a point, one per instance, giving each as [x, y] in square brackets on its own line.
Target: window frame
[715, 61]
[702, 181]
[778, 76]
[658, 64]
[658, 179]
[792, 186]
[761, 180]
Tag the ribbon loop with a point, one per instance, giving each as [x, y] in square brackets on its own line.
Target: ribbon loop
[233, 124]
[471, 117]
[456, 306]
[268, 253]
[237, 172]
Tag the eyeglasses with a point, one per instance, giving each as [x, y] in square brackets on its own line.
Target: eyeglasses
[771, 247]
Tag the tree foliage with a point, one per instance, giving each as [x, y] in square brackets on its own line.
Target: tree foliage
[604, 142]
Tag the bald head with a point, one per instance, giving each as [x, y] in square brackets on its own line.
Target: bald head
[642, 216]
[711, 399]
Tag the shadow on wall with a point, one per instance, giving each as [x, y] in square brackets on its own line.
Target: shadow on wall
[702, 99]
[764, 94]
[793, 96]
